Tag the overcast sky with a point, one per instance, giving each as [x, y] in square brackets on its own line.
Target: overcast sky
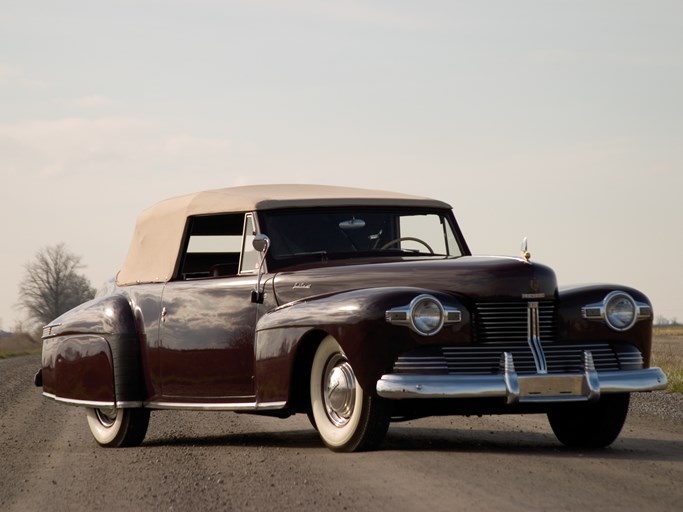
[557, 120]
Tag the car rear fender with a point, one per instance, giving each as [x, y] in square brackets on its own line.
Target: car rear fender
[91, 355]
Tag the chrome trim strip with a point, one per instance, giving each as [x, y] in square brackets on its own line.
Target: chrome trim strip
[400, 386]
[81, 403]
[534, 339]
[129, 404]
[198, 406]
[250, 406]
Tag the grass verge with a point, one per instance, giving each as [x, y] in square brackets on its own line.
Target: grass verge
[667, 353]
[19, 344]
[4, 354]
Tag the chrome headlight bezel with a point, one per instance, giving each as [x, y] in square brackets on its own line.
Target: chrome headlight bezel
[414, 315]
[613, 316]
[604, 311]
[426, 315]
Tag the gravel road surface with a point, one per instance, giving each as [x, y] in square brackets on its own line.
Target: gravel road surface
[224, 461]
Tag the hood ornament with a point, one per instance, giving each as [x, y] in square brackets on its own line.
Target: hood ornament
[525, 254]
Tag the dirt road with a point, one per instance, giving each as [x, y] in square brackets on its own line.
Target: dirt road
[225, 461]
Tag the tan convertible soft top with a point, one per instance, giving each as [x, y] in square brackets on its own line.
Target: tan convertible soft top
[159, 231]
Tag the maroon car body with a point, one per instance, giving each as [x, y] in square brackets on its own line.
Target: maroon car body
[355, 307]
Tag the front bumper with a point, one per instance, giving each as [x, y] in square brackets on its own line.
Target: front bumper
[536, 388]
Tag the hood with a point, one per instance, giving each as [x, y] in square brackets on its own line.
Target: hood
[470, 278]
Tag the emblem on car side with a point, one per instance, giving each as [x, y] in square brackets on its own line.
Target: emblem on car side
[305, 286]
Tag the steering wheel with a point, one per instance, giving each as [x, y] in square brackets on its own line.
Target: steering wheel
[406, 239]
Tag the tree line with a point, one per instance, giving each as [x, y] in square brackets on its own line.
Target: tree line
[52, 284]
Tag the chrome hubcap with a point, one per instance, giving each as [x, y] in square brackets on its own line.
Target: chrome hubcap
[339, 390]
[106, 416]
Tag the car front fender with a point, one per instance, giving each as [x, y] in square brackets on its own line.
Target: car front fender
[357, 320]
[575, 327]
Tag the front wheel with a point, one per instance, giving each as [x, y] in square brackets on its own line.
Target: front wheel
[347, 418]
[116, 428]
[593, 425]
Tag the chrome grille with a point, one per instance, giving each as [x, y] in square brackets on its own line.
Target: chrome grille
[508, 322]
[482, 360]
[485, 359]
[569, 357]
[631, 360]
[519, 328]
[421, 364]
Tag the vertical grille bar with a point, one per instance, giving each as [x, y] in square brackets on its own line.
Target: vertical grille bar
[534, 337]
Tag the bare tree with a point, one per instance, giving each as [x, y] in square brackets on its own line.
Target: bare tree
[52, 285]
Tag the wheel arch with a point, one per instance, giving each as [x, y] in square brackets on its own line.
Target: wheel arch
[299, 392]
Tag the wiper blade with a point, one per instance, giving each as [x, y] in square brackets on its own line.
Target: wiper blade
[321, 254]
[310, 253]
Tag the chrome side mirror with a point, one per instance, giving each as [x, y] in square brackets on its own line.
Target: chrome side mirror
[261, 243]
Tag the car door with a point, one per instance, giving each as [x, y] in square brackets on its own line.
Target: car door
[206, 345]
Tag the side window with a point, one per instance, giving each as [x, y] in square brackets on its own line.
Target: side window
[212, 246]
[429, 229]
[250, 258]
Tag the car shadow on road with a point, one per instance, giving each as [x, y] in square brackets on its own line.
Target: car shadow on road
[532, 443]
[281, 439]
[412, 439]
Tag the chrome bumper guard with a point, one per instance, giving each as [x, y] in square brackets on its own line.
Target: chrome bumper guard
[537, 388]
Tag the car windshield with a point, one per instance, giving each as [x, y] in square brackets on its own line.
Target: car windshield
[359, 232]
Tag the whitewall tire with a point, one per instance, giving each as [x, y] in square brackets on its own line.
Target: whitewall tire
[347, 418]
[116, 428]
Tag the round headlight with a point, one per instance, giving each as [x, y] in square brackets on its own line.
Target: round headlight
[426, 315]
[621, 311]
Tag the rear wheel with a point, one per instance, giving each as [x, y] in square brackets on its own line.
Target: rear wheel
[115, 428]
[347, 418]
[591, 425]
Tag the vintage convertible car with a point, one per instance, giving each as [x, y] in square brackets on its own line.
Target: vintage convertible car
[355, 307]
